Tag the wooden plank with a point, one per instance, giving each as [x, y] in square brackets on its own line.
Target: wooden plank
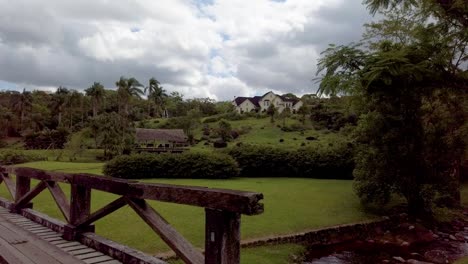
[42, 175]
[44, 233]
[222, 237]
[69, 244]
[52, 239]
[68, 249]
[12, 255]
[80, 203]
[82, 251]
[58, 242]
[44, 220]
[22, 201]
[90, 255]
[120, 252]
[222, 199]
[97, 259]
[111, 262]
[60, 199]
[11, 237]
[51, 236]
[38, 228]
[176, 241]
[108, 209]
[56, 253]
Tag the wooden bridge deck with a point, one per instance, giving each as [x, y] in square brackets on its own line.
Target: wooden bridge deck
[23, 241]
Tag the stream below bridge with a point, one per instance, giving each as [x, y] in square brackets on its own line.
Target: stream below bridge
[410, 242]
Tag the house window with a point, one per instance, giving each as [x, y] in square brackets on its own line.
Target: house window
[266, 103]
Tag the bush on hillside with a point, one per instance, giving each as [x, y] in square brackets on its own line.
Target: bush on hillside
[293, 128]
[8, 157]
[47, 139]
[321, 162]
[186, 165]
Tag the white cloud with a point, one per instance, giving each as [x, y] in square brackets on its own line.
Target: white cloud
[220, 50]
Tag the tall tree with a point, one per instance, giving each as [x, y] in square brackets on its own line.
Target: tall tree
[407, 63]
[60, 99]
[22, 104]
[96, 92]
[156, 95]
[126, 89]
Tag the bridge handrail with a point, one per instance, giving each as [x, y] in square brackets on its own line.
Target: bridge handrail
[223, 208]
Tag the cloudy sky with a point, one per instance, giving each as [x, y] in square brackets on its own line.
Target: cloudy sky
[201, 48]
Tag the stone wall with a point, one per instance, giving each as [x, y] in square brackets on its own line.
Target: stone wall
[331, 235]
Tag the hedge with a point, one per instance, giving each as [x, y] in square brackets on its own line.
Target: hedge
[186, 165]
[332, 162]
[8, 157]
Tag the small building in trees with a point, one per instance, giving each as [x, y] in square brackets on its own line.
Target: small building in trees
[160, 140]
[262, 103]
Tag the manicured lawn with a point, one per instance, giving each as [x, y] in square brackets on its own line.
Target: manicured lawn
[87, 155]
[291, 205]
[463, 260]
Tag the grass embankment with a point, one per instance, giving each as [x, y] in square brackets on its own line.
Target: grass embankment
[262, 132]
[291, 205]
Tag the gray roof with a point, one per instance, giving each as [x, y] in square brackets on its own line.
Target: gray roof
[169, 135]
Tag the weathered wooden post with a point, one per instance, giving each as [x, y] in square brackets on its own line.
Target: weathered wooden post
[222, 237]
[80, 210]
[23, 186]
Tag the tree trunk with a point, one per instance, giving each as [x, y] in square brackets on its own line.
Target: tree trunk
[417, 206]
[21, 119]
[59, 117]
[94, 107]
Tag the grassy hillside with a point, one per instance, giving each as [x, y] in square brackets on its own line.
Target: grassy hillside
[260, 131]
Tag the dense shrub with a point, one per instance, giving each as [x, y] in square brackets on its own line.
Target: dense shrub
[264, 161]
[186, 165]
[334, 162]
[220, 144]
[293, 128]
[8, 157]
[47, 139]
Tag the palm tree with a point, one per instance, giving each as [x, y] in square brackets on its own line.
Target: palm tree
[96, 91]
[126, 89]
[60, 99]
[21, 105]
[73, 99]
[156, 93]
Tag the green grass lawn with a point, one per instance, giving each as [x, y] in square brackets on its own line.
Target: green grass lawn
[263, 132]
[291, 205]
[87, 156]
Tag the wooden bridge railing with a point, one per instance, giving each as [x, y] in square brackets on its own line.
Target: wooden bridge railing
[223, 208]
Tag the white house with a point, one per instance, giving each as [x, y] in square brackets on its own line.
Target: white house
[261, 103]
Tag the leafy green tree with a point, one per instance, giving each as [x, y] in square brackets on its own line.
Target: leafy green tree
[115, 136]
[224, 130]
[272, 111]
[285, 114]
[396, 75]
[303, 112]
[96, 92]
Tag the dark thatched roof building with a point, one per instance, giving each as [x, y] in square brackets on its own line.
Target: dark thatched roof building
[160, 135]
